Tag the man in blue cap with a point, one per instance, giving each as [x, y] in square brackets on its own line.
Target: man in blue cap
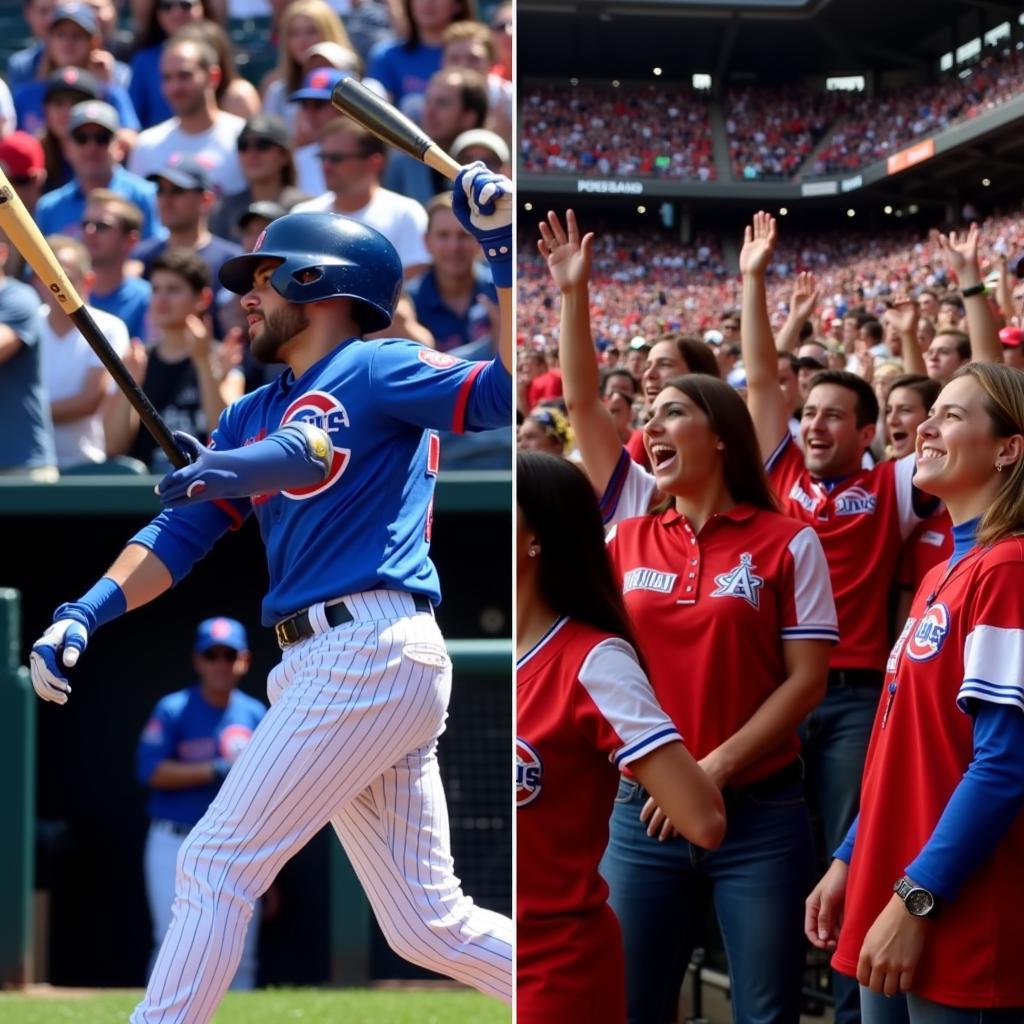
[315, 111]
[188, 745]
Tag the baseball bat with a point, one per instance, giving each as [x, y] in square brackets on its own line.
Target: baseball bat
[391, 125]
[17, 223]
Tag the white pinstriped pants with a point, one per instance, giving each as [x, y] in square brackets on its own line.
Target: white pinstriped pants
[350, 738]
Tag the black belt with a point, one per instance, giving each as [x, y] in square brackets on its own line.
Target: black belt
[851, 678]
[298, 626]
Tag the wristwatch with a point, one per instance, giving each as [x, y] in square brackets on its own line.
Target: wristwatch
[919, 902]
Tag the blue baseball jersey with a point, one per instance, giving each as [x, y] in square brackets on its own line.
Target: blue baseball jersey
[367, 525]
[185, 727]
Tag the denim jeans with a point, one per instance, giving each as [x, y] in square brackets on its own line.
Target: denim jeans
[758, 879]
[835, 742]
[878, 1009]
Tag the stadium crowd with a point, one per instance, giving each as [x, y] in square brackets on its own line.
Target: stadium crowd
[148, 160]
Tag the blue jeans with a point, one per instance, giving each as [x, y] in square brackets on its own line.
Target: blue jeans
[878, 1009]
[835, 742]
[758, 879]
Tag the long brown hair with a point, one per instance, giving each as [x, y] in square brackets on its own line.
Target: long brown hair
[1004, 403]
[728, 418]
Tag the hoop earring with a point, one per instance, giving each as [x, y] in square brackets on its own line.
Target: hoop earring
[999, 467]
[532, 552]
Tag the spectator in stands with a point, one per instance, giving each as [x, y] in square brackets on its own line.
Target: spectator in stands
[353, 158]
[928, 303]
[72, 42]
[315, 113]
[23, 66]
[951, 312]
[26, 430]
[454, 299]
[254, 221]
[503, 21]
[545, 429]
[199, 129]
[483, 145]
[265, 156]
[535, 381]
[183, 374]
[75, 380]
[470, 44]
[23, 161]
[405, 68]
[165, 17]
[64, 89]
[111, 226]
[950, 349]
[455, 102]
[1011, 339]
[184, 198]
[94, 151]
[235, 94]
[304, 23]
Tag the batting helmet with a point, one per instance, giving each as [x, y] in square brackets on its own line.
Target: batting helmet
[326, 256]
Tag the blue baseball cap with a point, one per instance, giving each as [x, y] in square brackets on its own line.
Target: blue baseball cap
[221, 632]
[319, 84]
[185, 172]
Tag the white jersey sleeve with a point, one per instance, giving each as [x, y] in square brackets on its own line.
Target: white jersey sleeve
[904, 482]
[619, 690]
[814, 610]
[629, 491]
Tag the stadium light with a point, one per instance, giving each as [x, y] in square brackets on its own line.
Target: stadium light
[657, 71]
[574, 81]
[851, 212]
[986, 182]
[913, 208]
[783, 211]
[887, 209]
[615, 83]
[527, 206]
[641, 209]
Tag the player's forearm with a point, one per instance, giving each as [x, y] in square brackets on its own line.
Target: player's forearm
[182, 775]
[913, 359]
[140, 574]
[505, 331]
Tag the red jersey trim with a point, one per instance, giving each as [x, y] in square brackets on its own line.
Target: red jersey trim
[232, 513]
[462, 399]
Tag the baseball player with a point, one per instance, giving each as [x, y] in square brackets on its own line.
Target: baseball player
[186, 749]
[337, 461]
[925, 894]
[584, 710]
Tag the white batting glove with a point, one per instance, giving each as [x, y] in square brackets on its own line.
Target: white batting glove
[482, 202]
[61, 644]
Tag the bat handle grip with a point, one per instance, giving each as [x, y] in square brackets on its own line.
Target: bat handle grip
[436, 157]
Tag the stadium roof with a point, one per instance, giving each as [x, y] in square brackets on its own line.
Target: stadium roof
[769, 40]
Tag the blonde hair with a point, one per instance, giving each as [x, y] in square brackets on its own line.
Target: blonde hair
[1004, 402]
[555, 424]
[327, 22]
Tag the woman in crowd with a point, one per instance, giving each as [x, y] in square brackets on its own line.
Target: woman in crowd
[235, 94]
[163, 19]
[733, 611]
[546, 430]
[925, 894]
[584, 709]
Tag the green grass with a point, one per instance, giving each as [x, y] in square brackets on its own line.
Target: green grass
[280, 1006]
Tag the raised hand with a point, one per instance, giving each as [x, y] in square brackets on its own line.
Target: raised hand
[804, 299]
[759, 240]
[568, 256]
[961, 253]
[903, 315]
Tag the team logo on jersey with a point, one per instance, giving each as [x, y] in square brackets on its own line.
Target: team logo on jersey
[649, 579]
[933, 537]
[741, 582]
[529, 773]
[154, 731]
[802, 498]
[854, 502]
[897, 648]
[926, 641]
[438, 360]
[233, 740]
[327, 413]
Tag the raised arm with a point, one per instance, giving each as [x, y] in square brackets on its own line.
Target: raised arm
[802, 305]
[962, 255]
[765, 400]
[568, 258]
[903, 315]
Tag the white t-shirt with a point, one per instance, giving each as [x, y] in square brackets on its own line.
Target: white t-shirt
[401, 220]
[66, 361]
[216, 149]
[308, 170]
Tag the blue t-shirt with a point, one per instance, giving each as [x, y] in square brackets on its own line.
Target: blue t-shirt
[215, 254]
[405, 73]
[146, 89]
[185, 727]
[22, 66]
[28, 105]
[451, 329]
[367, 525]
[61, 210]
[129, 301]
[26, 429]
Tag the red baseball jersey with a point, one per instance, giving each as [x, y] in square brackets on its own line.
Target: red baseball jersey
[584, 710]
[712, 610]
[862, 523]
[963, 641]
[929, 545]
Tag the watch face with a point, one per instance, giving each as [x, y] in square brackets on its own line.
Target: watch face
[920, 902]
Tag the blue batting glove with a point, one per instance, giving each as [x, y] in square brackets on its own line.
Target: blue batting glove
[482, 202]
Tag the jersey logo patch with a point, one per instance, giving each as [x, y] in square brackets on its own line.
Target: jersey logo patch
[649, 579]
[741, 582]
[854, 502]
[438, 360]
[894, 655]
[154, 731]
[933, 538]
[802, 498]
[529, 773]
[233, 740]
[327, 413]
[927, 640]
